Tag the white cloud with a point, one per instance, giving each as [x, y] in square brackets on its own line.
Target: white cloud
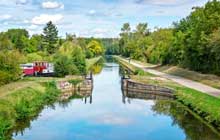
[23, 2]
[44, 18]
[52, 5]
[111, 119]
[92, 12]
[163, 2]
[5, 17]
[33, 27]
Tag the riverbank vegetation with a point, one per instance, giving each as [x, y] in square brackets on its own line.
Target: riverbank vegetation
[68, 54]
[191, 43]
[25, 103]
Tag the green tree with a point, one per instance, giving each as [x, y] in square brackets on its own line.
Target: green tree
[36, 43]
[124, 38]
[50, 37]
[19, 38]
[9, 66]
[5, 43]
[63, 66]
[95, 47]
[79, 60]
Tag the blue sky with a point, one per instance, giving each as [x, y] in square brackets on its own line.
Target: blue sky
[98, 18]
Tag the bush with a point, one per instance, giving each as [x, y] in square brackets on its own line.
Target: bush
[7, 118]
[64, 66]
[22, 109]
[9, 66]
[70, 60]
[51, 93]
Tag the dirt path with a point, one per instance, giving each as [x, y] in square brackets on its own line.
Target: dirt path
[180, 80]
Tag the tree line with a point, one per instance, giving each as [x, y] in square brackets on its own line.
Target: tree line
[68, 54]
[193, 42]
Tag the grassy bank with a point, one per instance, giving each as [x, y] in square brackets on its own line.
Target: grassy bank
[25, 103]
[202, 104]
[208, 79]
[91, 62]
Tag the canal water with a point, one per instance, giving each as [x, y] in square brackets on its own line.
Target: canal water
[108, 115]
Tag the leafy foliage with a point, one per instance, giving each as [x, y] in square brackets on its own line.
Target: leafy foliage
[70, 60]
[95, 48]
[193, 43]
[9, 66]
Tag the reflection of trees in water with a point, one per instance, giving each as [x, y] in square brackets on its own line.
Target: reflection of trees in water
[21, 125]
[26, 124]
[97, 68]
[87, 99]
[193, 127]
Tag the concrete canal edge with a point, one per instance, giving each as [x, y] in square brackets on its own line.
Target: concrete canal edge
[132, 87]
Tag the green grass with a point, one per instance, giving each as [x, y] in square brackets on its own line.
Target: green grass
[75, 81]
[25, 103]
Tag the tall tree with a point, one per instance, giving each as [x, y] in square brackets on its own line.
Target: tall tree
[19, 38]
[50, 37]
[5, 43]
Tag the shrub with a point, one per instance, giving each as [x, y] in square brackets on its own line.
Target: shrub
[64, 66]
[9, 66]
[22, 109]
[51, 93]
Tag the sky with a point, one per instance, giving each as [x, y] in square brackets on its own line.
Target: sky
[92, 18]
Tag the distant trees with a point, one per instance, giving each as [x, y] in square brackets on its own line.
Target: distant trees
[133, 44]
[94, 48]
[192, 43]
[111, 46]
[50, 37]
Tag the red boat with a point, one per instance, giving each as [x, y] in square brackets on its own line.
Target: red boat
[38, 68]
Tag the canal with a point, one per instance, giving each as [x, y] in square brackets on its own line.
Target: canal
[108, 115]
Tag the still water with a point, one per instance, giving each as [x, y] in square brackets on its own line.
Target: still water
[108, 115]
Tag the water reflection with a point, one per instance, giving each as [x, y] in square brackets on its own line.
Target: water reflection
[182, 117]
